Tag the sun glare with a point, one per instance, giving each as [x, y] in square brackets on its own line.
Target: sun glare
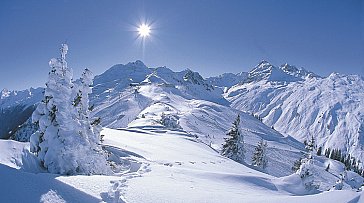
[144, 30]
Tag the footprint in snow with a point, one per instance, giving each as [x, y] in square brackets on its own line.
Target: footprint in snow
[115, 192]
[168, 164]
[178, 163]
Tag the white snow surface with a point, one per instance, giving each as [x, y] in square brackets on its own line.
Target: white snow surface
[144, 104]
[169, 166]
[295, 101]
[330, 109]
[168, 128]
[227, 79]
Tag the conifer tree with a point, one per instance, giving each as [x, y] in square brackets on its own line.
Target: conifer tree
[338, 155]
[311, 144]
[259, 158]
[306, 168]
[296, 165]
[328, 152]
[233, 147]
[353, 163]
[348, 162]
[333, 154]
[328, 167]
[305, 143]
[342, 160]
[319, 151]
[306, 172]
[63, 142]
[81, 102]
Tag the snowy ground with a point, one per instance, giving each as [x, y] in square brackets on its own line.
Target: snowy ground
[331, 109]
[165, 142]
[163, 166]
[206, 120]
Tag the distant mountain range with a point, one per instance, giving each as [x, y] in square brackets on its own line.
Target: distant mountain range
[293, 101]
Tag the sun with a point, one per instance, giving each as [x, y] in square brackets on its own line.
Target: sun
[144, 30]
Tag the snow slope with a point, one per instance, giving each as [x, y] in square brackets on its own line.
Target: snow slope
[227, 79]
[168, 166]
[295, 101]
[116, 92]
[190, 105]
[168, 128]
[330, 109]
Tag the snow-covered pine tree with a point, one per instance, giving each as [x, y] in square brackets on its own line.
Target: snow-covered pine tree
[62, 142]
[307, 168]
[259, 158]
[170, 121]
[311, 144]
[233, 147]
[296, 165]
[50, 114]
[339, 184]
[306, 172]
[81, 102]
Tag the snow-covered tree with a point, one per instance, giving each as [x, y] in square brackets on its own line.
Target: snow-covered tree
[91, 126]
[233, 147]
[170, 121]
[306, 172]
[259, 158]
[297, 165]
[65, 141]
[311, 145]
[340, 183]
[306, 167]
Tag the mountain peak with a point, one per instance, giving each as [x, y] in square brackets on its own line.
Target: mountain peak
[4, 93]
[291, 69]
[137, 63]
[193, 77]
[285, 73]
[297, 72]
[262, 66]
[261, 71]
[264, 63]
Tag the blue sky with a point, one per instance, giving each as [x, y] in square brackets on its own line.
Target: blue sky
[207, 36]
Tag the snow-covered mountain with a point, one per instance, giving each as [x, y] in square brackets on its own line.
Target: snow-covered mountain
[167, 128]
[119, 103]
[16, 108]
[295, 101]
[227, 79]
[285, 73]
[183, 101]
[301, 104]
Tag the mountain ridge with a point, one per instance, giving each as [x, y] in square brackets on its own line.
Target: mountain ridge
[262, 91]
